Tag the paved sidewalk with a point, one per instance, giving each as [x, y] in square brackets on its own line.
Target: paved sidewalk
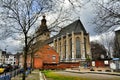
[33, 76]
[42, 76]
[93, 72]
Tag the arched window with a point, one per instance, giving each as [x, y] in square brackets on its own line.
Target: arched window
[85, 47]
[78, 51]
[55, 46]
[64, 49]
[70, 48]
[60, 47]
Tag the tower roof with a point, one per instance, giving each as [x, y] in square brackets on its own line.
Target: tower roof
[43, 27]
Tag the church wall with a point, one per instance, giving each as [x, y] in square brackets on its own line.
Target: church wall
[62, 46]
[43, 37]
[88, 46]
[65, 45]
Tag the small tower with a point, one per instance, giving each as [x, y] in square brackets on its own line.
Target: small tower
[43, 31]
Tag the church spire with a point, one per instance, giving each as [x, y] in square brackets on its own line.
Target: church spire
[43, 31]
[43, 21]
[43, 26]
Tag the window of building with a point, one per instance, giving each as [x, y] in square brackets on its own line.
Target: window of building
[93, 63]
[53, 57]
[78, 51]
[60, 46]
[71, 48]
[55, 46]
[10, 59]
[106, 62]
[85, 47]
[65, 49]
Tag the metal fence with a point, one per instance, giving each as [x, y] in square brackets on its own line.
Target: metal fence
[9, 75]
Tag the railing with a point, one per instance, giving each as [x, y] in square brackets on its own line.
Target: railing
[9, 75]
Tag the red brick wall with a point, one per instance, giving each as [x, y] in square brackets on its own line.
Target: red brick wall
[68, 65]
[38, 63]
[47, 58]
[45, 54]
[100, 63]
[61, 65]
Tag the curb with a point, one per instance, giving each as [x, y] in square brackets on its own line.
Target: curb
[42, 76]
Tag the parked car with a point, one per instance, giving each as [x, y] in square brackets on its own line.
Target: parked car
[1, 69]
[7, 67]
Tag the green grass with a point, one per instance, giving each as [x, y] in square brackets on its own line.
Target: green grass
[53, 76]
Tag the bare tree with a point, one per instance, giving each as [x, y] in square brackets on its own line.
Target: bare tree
[107, 39]
[20, 16]
[98, 50]
[107, 15]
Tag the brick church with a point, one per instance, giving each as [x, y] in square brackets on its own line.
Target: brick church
[68, 48]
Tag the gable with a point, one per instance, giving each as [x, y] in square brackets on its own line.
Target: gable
[76, 26]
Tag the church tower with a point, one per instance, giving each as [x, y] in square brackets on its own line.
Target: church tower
[43, 31]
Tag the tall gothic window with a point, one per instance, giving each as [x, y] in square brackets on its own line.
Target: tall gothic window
[60, 46]
[78, 52]
[64, 49]
[85, 47]
[56, 46]
[71, 48]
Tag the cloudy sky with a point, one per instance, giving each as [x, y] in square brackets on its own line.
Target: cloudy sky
[86, 15]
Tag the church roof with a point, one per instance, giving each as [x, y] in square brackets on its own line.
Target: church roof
[76, 27]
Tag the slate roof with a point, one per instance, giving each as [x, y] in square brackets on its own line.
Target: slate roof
[76, 26]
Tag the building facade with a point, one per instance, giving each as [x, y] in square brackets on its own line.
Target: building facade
[7, 58]
[1, 57]
[10, 59]
[43, 32]
[71, 46]
[117, 44]
[45, 57]
[72, 43]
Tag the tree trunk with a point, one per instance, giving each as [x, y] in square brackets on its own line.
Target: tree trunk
[25, 58]
[31, 61]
